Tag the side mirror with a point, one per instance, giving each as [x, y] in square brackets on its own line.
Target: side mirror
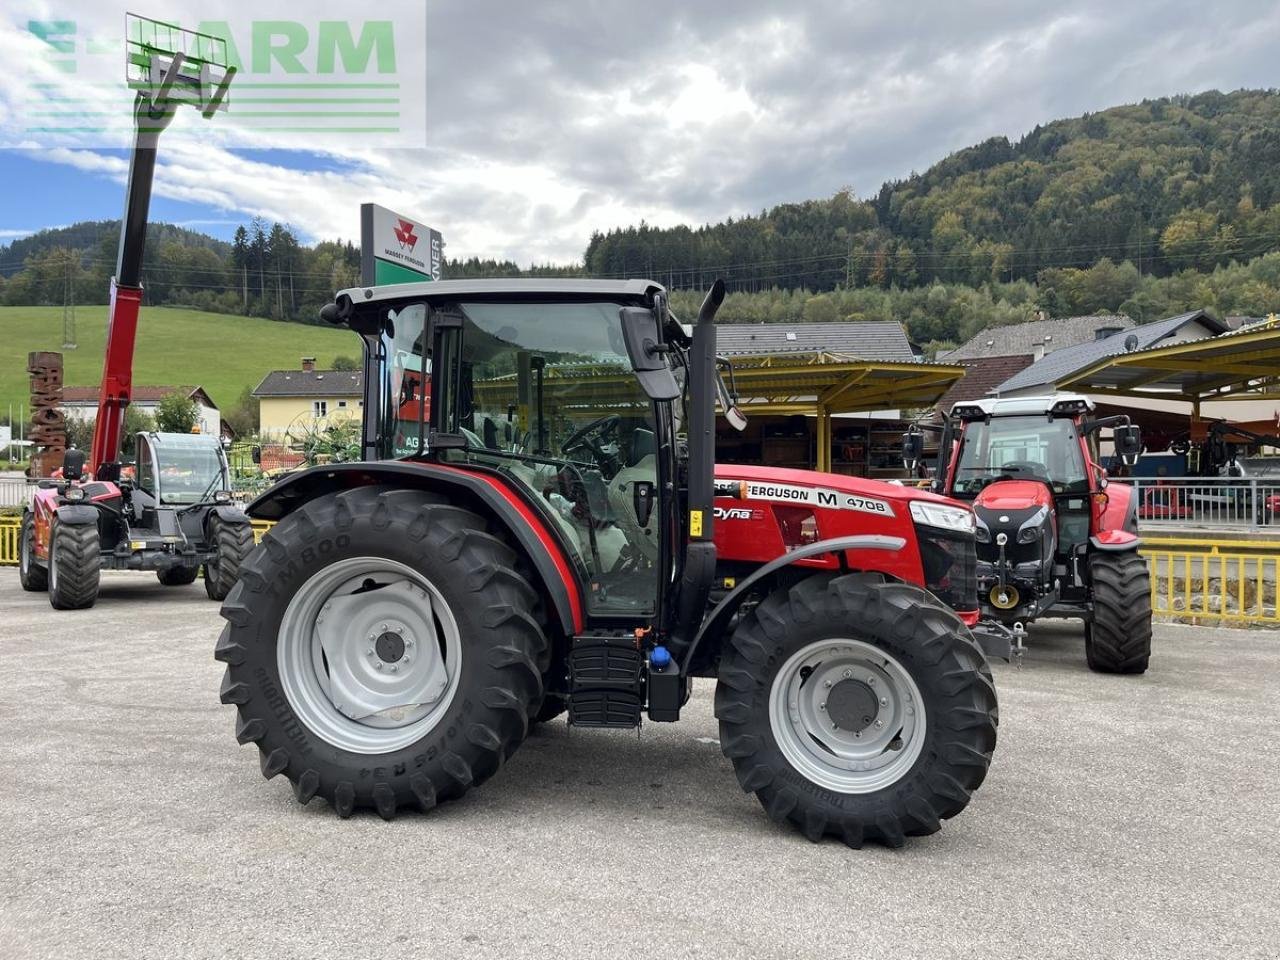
[647, 353]
[912, 450]
[255, 454]
[73, 464]
[1128, 443]
[728, 397]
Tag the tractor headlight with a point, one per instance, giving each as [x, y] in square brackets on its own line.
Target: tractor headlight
[942, 516]
[222, 496]
[981, 532]
[1029, 532]
[74, 494]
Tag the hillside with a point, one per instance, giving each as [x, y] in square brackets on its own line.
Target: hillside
[221, 353]
[1180, 182]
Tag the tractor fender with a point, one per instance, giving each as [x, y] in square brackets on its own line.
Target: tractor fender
[494, 496]
[228, 513]
[1115, 541]
[1121, 510]
[723, 611]
[77, 514]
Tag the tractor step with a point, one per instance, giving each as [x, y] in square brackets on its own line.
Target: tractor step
[606, 680]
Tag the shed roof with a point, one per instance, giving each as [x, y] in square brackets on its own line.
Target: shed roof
[1057, 366]
[1017, 339]
[981, 376]
[864, 339]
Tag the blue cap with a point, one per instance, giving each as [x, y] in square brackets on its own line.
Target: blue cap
[660, 658]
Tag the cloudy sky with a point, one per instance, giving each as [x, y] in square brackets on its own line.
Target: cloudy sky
[548, 120]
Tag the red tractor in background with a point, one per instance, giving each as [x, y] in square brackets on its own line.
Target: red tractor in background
[1056, 537]
[175, 515]
[544, 530]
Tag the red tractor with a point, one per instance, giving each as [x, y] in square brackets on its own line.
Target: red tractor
[1056, 537]
[548, 533]
[174, 516]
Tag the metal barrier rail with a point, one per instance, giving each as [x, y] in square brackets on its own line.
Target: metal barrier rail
[14, 492]
[1225, 581]
[1246, 503]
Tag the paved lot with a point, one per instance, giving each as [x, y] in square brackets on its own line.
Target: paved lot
[1122, 818]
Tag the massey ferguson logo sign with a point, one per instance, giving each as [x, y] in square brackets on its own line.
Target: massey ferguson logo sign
[810, 496]
[404, 233]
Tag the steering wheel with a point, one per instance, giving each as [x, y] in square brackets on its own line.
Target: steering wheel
[593, 436]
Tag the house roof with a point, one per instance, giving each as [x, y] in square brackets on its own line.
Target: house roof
[1068, 360]
[981, 377]
[311, 383]
[140, 394]
[865, 339]
[1018, 339]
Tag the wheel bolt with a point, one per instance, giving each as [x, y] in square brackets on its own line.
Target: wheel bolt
[399, 629]
[871, 681]
[879, 724]
[822, 706]
[884, 701]
[827, 684]
[394, 668]
[377, 665]
[405, 659]
[369, 651]
[409, 642]
[848, 673]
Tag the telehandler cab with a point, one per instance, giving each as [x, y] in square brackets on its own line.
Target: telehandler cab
[543, 529]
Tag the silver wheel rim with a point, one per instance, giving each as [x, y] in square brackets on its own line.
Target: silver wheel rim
[369, 655]
[24, 550]
[53, 563]
[871, 694]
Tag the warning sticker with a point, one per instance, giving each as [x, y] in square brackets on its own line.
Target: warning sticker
[811, 496]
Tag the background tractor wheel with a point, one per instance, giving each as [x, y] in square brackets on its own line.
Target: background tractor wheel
[233, 542]
[177, 576]
[381, 651]
[856, 707]
[34, 578]
[1119, 638]
[74, 565]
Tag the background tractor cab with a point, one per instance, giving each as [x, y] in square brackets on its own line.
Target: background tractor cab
[1056, 537]
[542, 528]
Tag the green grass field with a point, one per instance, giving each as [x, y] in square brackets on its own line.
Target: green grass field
[223, 354]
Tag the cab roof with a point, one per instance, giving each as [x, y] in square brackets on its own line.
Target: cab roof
[1015, 406]
[541, 288]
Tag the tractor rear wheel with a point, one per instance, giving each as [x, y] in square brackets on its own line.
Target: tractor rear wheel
[177, 576]
[34, 578]
[232, 542]
[1119, 638]
[381, 650]
[74, 565]
[856, 707]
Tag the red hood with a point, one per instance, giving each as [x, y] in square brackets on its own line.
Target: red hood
[1014, 495]
[831, 481]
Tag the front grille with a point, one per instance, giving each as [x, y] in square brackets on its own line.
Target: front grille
[950, 567]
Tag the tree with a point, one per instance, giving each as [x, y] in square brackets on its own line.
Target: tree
[343, 362]
[820, 309]
[243, 418]
[176, 413]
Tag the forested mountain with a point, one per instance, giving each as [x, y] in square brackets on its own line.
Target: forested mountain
[1148, 209]
[1167, 184]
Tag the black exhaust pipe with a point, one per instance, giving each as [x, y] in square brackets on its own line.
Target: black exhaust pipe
[700, 550]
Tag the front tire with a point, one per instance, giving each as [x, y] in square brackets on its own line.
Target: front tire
[1119, 638]
[856, 707]
[343, 590]
[74, 565]
[233, 542]
[34, 578]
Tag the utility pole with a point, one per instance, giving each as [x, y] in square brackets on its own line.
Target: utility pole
[68, 307]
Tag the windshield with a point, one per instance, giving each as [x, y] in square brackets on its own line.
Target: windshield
[188, 474]
[1020, 448]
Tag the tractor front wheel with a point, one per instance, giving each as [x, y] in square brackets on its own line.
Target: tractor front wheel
[382, 651]
[34, 578]
[232, 542]
[75, 566]
[856, 707]
[1119, 638]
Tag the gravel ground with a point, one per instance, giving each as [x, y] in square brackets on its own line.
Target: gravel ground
[1123, 817]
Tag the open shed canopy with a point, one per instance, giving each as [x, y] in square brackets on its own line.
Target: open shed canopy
[1243, 365]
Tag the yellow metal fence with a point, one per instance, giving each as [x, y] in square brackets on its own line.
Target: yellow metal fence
[1232, 582]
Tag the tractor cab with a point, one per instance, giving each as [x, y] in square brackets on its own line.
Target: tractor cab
[173, 473]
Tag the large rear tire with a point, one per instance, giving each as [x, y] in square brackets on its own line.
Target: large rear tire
[74, 565]
[177, 576]
[856, 707]
[33, 577]
[381, 651]
[233, 542]
[1119, 638]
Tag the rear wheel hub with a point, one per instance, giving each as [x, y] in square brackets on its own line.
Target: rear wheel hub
[852, 705]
